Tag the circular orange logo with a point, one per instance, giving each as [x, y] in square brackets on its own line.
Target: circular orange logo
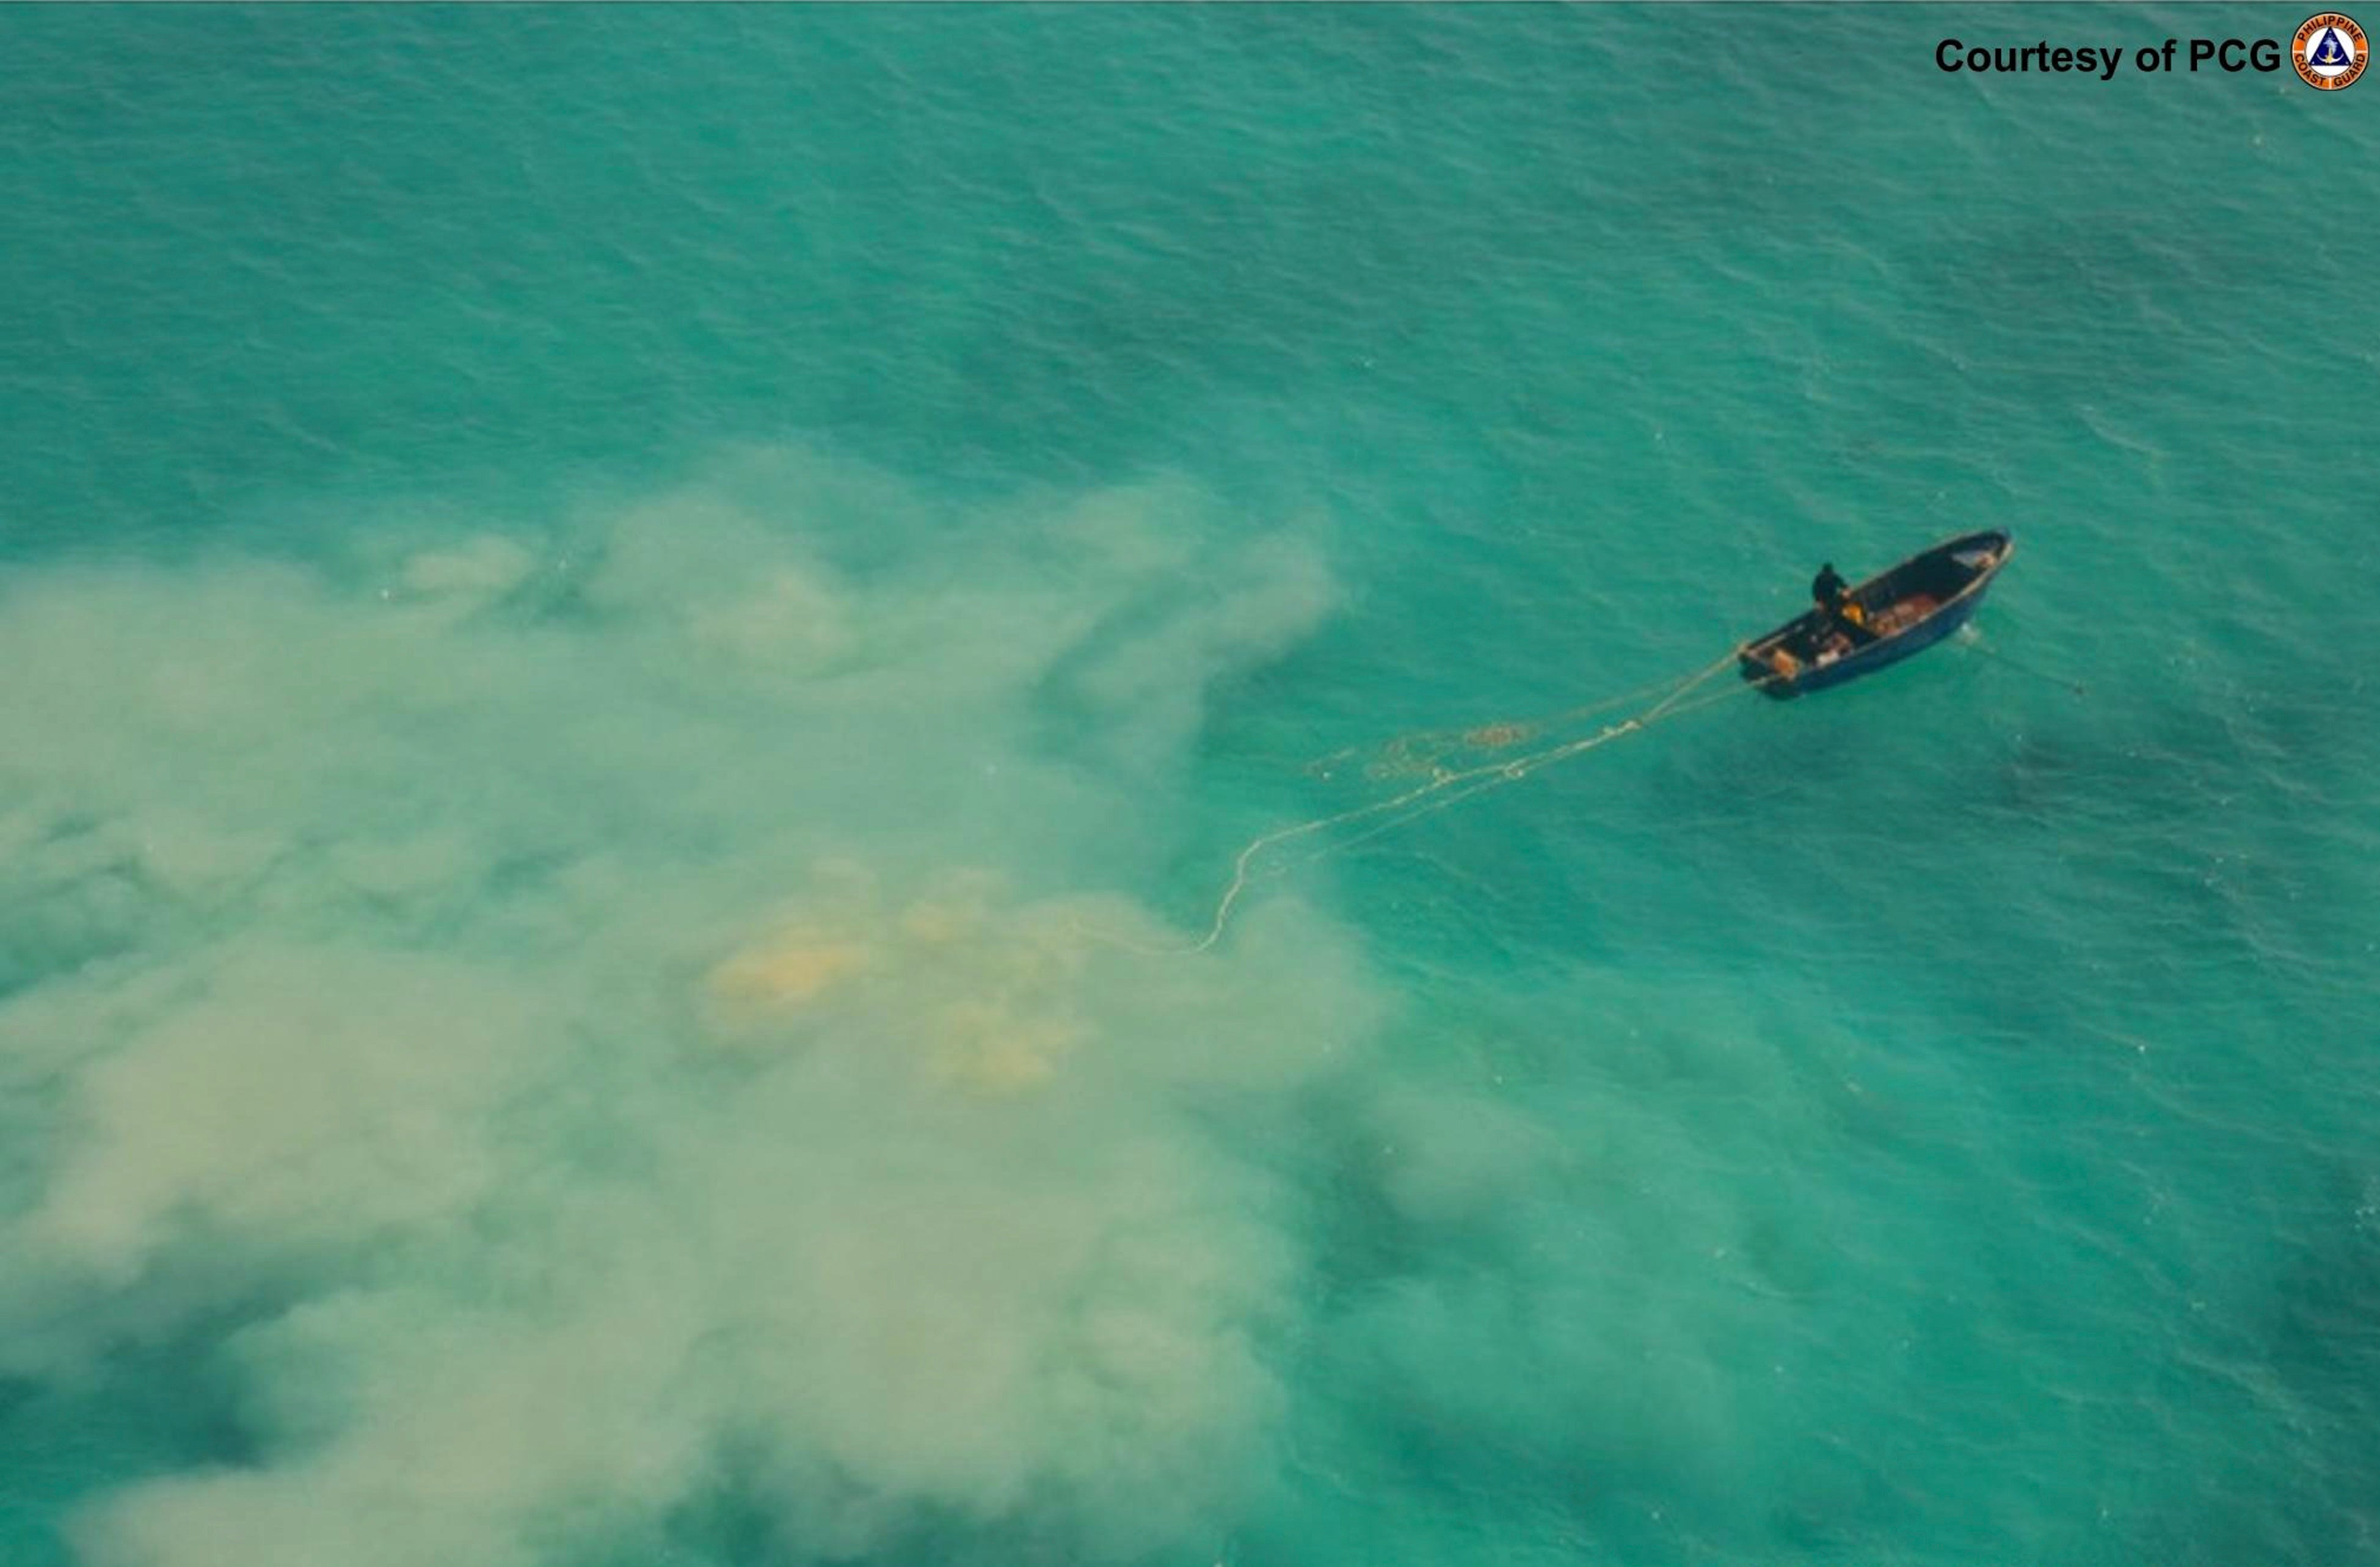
[2329, 51]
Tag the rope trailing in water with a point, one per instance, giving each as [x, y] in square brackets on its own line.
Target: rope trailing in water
[1447, 786]
[1424, 751]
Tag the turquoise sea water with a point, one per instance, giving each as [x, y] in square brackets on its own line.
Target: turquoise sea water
[617, 626]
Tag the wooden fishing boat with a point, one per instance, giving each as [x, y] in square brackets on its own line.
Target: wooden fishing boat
[1907, 609]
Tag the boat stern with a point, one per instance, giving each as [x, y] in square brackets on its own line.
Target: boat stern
[1769, 668]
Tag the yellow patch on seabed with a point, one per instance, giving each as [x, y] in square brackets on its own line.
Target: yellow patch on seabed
[990, 990]
[788, 972]
[986, 1045]
[1411, 756]
[1494, 736]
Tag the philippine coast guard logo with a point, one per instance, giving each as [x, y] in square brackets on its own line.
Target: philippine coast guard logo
[2329, 51]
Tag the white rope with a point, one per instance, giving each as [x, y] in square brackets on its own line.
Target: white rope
[1424, 799]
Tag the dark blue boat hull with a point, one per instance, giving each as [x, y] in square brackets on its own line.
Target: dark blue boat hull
[1891, 650]
[1953, 612]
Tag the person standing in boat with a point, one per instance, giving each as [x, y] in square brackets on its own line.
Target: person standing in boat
[1843, 613]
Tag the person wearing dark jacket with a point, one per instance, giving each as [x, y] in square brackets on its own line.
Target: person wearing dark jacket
[1842, 611]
